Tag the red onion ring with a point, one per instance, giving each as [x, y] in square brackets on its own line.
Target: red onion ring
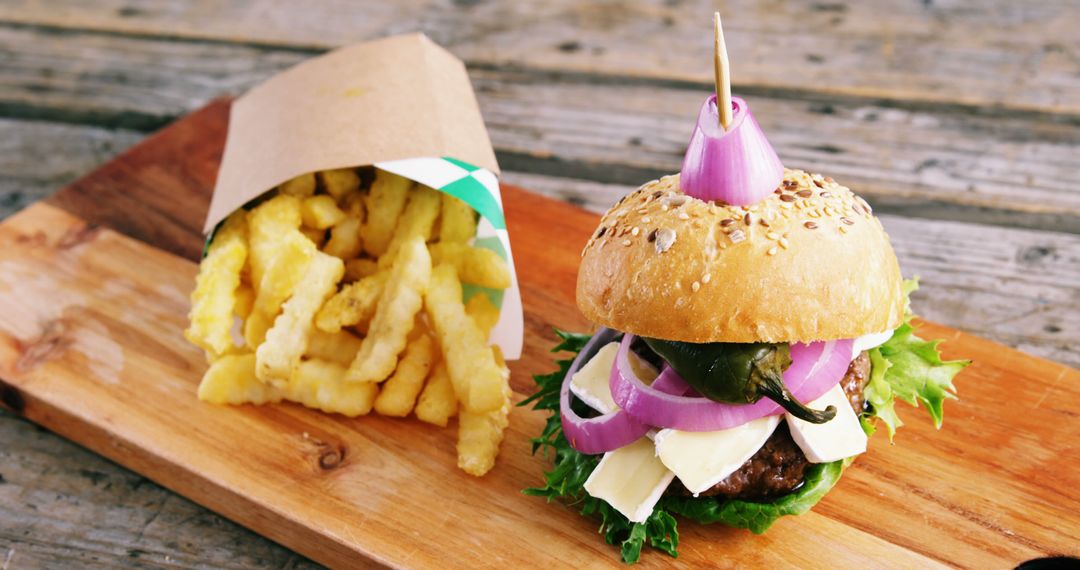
[602, 433]
[815, 368]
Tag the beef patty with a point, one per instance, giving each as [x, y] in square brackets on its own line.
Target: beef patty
[780, 466]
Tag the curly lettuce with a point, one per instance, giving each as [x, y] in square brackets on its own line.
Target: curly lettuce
[905, 367]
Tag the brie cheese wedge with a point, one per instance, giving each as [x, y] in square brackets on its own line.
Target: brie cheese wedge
[835, 439]
[592, 382]
[631, 479]
[703, 459]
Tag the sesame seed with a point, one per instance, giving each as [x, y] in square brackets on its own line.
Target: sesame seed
[815, 214]
[684, 216]
[829, 211]
[829, 179]
[826, 195]
[695, 286]
[843, 229]
[847, 221]
[772, 251]
[784, 243]
[787, 197]
[737, 236]
[643, 211]
[706, 278]
[727, 222]
[635, 231]
[772, 235]
[804, 193]
[665, 238]
[763, 222]
[786, 205]
[646, 220]
[676, 200]
[664, 207]
[626, 242]
[810, 225]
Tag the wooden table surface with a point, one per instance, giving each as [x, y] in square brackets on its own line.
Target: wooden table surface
[959, 122]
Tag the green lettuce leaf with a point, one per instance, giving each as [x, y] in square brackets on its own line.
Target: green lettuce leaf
[758, 517]
[910, 368]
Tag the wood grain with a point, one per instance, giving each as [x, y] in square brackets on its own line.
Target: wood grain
[63, 506]
[96, 355]
[90, 344]
[38, 157]
[994, 53]
[90, 348]
[929, 163]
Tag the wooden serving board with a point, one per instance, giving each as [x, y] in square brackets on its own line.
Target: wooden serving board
[93, 296]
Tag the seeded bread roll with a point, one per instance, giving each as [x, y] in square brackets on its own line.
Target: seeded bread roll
[810, 262]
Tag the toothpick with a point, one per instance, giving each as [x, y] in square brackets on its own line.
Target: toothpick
[723, 74]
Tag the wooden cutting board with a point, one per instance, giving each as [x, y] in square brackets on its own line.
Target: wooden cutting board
[93, 296]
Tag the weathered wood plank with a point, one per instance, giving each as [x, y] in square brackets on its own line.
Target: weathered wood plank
[65, 507]
[1015, 286]
[37, 157]
[999, 53]
[925, 163]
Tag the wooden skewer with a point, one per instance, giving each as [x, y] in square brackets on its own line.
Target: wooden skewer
[723, 74]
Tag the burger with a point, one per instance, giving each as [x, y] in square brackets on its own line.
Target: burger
[743, 356]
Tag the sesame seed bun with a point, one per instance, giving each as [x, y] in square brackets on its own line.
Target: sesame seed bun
[807, 263]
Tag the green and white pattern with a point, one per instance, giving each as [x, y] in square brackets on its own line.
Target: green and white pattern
[479, 188]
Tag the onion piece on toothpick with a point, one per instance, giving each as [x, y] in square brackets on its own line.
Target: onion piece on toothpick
[737, 166]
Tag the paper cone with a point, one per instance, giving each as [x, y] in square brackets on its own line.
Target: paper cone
[401, 104]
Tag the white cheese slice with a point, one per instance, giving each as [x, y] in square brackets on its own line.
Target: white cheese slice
[868, 341]
[592, 382]
[703, 459]
[631, 479]
[835, 439]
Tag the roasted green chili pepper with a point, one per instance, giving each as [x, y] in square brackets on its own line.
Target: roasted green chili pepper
[737, 373]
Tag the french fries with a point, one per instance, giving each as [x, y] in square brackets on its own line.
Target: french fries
[458, 223]
[231, 380]
[475, 265]
[399, 392]
[345, 241]
[287, 339]
[477, 378]
[437, 403]
[384, 204]
[418, 220]
[340, 182]
[347, 299]
[321, 212]
[359, 268]
[483, 312]
[289, 263]
[267, 224]
[321, 384]
[340, 347]
[301, 186]
[214, 299]
[354, 305]
[401, 299]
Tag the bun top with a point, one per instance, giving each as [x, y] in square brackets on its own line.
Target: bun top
[810, 262]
